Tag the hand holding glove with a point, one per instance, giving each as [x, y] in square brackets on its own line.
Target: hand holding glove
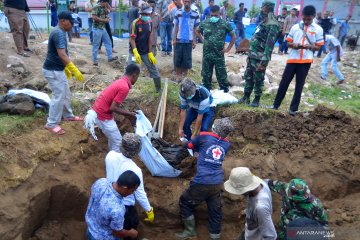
[67, 73]
[152, 58]
[137, 55]
[74, 70]
[150, 216]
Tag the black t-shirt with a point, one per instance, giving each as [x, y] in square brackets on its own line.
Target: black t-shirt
[133, 13]
[18, 4]
[141, 31]
[57, 40]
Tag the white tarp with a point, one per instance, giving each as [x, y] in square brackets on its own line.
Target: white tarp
[152, 159]
[39, 97]
[220, 97]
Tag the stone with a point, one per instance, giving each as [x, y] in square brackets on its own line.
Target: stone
[235, 90]
[267, 84]
[234, 79]
[19, 104]
[36, 84]
[13, 61]
[272, 139]
[358, 83]
[272, 90]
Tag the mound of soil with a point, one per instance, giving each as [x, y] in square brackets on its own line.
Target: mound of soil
[47, 178]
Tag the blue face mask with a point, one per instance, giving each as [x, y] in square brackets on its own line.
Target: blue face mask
[145, 18]
[214, 19]
[190, 97]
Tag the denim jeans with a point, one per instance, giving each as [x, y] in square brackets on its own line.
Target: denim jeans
[331, 57]
[284, 47]
[165, 34]
[60, 99]
[198, 193]
[111, 131]
[342, 39]
[90, 23]
[240, 35]
[191, 115]
[98, 35]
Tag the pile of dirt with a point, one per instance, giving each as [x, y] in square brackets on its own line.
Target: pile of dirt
[46, 186]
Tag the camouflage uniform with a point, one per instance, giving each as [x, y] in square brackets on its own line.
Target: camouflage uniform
[297, 202]
[214, 40]
[261, 46]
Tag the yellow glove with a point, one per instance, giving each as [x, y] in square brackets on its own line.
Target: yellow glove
[152, 58]
[137, 55]
[73, 69]
[67, 73]
[150, 216]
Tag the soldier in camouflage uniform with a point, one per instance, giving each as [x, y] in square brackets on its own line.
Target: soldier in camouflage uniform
[297, 202]
[213, 33]
[261, 46]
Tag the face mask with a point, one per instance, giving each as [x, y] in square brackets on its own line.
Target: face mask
[214, 19]
[145, 18]
[190, 97]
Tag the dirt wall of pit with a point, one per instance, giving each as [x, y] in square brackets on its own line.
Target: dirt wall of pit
[46, 179]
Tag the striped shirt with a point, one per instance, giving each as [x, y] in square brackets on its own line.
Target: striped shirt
[201, 101]
[187, 22]
[297, 35]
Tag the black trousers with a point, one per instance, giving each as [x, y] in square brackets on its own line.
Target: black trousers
[108, 30]
[291, 69]
[131, 219]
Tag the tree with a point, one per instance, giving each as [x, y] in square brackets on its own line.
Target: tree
[254, 11]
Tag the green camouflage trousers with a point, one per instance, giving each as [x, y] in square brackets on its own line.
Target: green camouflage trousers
[208, 63]
[254, 79]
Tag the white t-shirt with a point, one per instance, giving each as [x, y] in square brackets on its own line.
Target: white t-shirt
[259, 224]
[90, 4]
[116, 164]
[333, 42]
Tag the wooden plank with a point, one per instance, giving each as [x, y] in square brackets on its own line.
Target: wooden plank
[161, 130]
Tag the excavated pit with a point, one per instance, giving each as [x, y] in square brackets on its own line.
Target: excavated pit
[47, 179]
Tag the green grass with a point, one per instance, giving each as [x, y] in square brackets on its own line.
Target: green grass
[16, 123]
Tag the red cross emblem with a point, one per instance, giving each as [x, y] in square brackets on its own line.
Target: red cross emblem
[216, 153]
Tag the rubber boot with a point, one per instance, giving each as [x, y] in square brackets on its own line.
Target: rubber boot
[245, 99]
[255, 102]
[157, 82]
[189, 230]
[214, 236]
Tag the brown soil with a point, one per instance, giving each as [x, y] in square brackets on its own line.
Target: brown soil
[46, 179]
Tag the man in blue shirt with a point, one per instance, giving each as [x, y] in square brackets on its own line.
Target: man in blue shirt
[207, 10]
[186, 22]
[105, 213]
[343, 30]
[240, 33]
[195, 104]
[207, 183]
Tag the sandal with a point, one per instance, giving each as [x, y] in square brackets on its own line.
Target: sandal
[28, 50]
[56, 130]
[74, 119]
[24, 54]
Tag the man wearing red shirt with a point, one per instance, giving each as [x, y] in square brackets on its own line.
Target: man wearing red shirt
[109, 102]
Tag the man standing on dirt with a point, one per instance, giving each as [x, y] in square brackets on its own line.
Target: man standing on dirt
[212, 32]
[238, 20]
[258, 224]
[141, 44]
[261, 46]
[15, 11]
[297, 202]
[195, 106]
[185, 22]
[100, 18]
[155, 21]
[166, 28]
[88, 8]
[207, 183]
[105, 213]
[118, 163]
[281, 19]
[109, 102]
[300, 57]
[57, 69]
[290, 21]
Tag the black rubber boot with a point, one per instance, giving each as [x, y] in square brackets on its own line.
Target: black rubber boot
[255, 102]
[157, 82]
[245, 99]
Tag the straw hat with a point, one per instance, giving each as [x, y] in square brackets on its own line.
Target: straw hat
[241, 180]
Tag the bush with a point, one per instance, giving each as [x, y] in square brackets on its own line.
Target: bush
[254, 11]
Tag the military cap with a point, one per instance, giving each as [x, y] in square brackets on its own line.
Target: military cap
[130, 145]
[298, 190]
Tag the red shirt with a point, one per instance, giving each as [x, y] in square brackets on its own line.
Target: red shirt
[115, 92]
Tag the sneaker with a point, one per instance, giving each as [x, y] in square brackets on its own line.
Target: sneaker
[113, 59]
[95, 64]
[273, 107]
[163, 54]
[324, 79]
[169, 53]
[292, 113]
[340, 82]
